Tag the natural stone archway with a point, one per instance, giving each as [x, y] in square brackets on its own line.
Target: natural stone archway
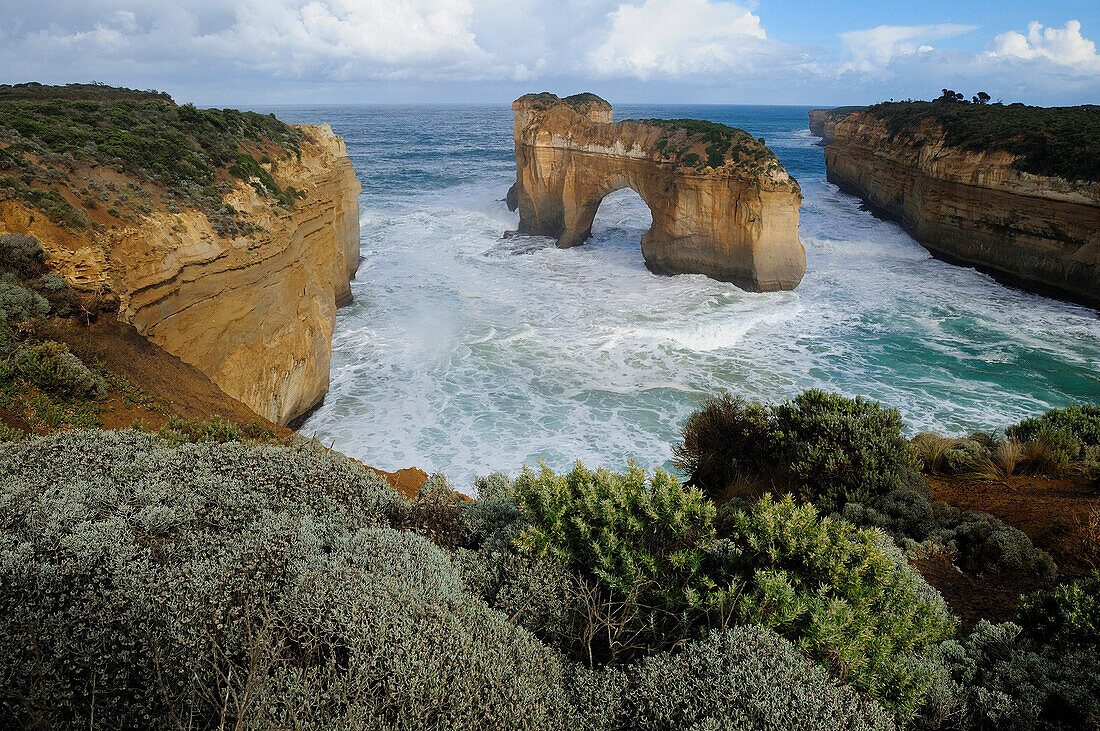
[722, 204]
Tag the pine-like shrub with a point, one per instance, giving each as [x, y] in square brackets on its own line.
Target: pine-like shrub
[725, 437]
[836, 449]
[634, 545]
[836, 593]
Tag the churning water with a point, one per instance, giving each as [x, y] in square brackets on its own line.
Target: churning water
[466, 353]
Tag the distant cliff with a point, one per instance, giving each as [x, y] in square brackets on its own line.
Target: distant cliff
[722, 204]
[823, 121]
[226, 238]
[1012, 191]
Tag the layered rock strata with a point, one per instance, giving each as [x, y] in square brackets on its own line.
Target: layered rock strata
[721, 203]
[255, 312]
[975, 208]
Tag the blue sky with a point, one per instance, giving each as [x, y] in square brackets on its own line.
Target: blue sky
[241, 52]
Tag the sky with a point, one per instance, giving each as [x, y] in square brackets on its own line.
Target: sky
[823, 52]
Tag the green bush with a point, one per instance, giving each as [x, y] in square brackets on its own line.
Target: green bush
[640, 539]
[839, 596]
[820, 446]
[216, 429]
[1067, 615]
[999, 680]
[22, 254]
[11, 434]
[19, 304]
[52, 368]
[1072, 435]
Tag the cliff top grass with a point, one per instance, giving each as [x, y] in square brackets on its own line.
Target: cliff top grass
[546, 99]
[1059, 142]
[47, 132]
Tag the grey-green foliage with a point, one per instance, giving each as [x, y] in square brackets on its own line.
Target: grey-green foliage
[21, 253]
[994, 679]
[19, 304]
[743, 678]
[51, 367]
[52, 281]
[981, 541]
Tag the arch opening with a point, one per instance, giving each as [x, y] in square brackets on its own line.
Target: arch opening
[622, 216]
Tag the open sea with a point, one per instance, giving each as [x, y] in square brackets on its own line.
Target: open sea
[465, 352]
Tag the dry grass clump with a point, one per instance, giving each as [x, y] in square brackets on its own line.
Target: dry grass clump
[1088, 527]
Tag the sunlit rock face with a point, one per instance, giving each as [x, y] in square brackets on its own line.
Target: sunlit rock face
[974, 208]
[722, 204]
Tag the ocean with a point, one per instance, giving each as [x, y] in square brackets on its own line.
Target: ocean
[466, 353]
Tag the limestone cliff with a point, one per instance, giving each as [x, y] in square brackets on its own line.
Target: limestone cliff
[975, 207]
[253, 310]
[823, 122]
[722, 205]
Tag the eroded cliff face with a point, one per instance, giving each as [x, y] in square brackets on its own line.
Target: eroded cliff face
[735, 221]
[974, 208]
[254, 312]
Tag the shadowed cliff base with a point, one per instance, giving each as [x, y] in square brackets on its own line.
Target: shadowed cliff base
[722, 204]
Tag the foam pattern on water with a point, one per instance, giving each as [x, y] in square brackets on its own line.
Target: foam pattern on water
[465, 352]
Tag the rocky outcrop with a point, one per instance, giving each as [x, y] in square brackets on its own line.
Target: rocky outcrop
[975, 208]
[722, 204]
[255, 312]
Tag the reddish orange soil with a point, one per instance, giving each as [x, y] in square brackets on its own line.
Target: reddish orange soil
[1050, 511]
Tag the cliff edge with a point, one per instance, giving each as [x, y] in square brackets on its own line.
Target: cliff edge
[226, 238]
[722, 204]
[1012, 191]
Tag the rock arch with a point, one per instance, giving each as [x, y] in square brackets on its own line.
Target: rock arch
[722, 204]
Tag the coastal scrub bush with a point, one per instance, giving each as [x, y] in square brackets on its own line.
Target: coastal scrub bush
[52, 368]
[1072, 433]
[435, 513]
[821, 447]
[633, 543]
[221, 584]
[19, 304]
[22, 254]
[1066, 615]
[980, 542]
[217, 429]
[1000, 680]
[741, 678]
[840, 595]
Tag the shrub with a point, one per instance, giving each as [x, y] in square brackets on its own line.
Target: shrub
[980, 542]
[837, 449]
[52, 368]
[822, 447]
[18, 304]
[11, 434]
[435, 513]
[835, 592]
[215, 584]
[744, 678]
[51, 281]
[1067, 615]
[1004, 681]
[1064, 437]
[22, 254]
[216, 429]
[634, 544]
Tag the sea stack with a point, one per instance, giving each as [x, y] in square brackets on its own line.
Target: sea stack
[722, 204]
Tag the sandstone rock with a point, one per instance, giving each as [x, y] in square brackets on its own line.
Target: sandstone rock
[736, 221]
[975, 208]
[254, 313]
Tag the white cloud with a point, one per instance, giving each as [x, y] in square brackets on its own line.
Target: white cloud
[1063, 46]
[675, 38]
[872, 51]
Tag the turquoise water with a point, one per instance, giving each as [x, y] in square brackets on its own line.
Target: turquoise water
[466, 353]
